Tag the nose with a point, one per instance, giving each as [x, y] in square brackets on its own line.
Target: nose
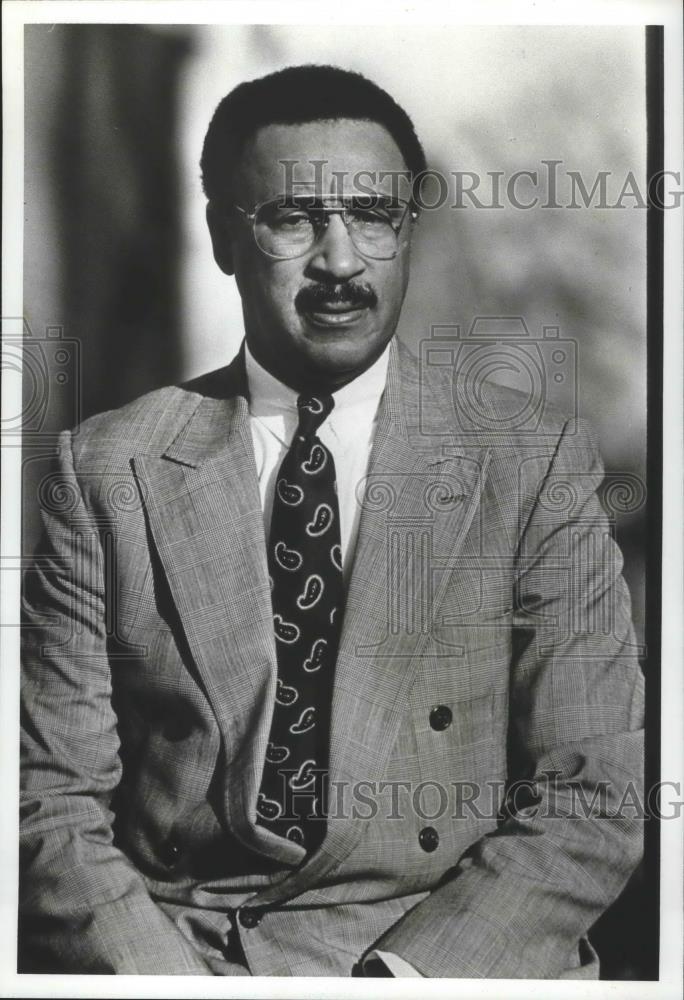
[335, 257]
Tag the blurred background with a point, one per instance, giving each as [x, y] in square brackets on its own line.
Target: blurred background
[122, 294]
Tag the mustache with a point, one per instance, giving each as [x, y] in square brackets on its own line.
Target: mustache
[356, 294]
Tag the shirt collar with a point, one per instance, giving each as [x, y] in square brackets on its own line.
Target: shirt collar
[268, 396]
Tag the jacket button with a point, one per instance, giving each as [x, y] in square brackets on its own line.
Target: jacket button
[171, 854]
[428, 838]
[250, 917]
[440, 717]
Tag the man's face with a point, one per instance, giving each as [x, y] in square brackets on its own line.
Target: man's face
[324, 317]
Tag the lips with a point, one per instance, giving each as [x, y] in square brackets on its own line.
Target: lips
[335, 305]
[334, 314]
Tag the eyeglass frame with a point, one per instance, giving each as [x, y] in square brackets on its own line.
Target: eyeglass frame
[250, 216]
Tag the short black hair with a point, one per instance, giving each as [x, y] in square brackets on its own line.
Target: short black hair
[293, 96]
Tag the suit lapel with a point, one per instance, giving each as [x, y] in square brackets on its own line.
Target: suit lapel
[420, 499]
[204, 513]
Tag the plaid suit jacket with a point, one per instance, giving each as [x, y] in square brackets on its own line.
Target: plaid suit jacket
[486, 641]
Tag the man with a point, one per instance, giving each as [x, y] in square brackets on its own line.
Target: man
[315, 676]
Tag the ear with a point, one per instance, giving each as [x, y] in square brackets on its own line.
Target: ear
[221, 237]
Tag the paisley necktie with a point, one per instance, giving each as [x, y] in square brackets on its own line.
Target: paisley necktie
[305, 566]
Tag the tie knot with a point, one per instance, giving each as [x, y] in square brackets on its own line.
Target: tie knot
[312, 412]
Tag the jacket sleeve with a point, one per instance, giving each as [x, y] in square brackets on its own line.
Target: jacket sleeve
[517, 904]
[83, 906]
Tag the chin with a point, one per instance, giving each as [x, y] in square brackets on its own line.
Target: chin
[344, 347]
[343, 357]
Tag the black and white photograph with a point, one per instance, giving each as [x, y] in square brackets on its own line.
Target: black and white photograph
[341, 551]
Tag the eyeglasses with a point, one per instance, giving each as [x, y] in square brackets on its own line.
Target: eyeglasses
[288, 226]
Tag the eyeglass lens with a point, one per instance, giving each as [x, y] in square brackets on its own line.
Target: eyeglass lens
[288, 227]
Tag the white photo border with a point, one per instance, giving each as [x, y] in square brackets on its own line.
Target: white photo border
[16, 14]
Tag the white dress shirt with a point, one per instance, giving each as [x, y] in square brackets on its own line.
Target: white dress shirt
[348, 433]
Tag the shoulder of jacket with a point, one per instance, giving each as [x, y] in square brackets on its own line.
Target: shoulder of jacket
[149, 420]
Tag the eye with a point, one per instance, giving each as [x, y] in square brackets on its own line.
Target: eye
[370, 217]
[291, 220]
